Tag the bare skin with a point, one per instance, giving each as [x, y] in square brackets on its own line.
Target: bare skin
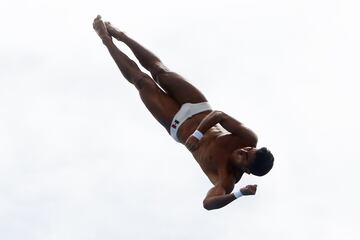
[224, 153]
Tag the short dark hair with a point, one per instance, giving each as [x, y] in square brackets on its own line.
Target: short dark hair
[263, 162]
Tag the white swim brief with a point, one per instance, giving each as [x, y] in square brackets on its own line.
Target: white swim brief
[186, 111]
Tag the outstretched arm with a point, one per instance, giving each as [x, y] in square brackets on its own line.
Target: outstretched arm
[217, 197]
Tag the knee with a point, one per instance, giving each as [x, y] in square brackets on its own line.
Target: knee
[142, 81]
[158, 70]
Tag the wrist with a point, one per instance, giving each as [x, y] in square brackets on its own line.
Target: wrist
[238, 194]
[198, 135]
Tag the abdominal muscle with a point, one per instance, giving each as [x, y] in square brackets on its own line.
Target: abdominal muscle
[205, 154]
[190, 125]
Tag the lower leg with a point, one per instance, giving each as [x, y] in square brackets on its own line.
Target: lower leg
[127, 66]
[174, 84]
[146, 58]
[161, 105]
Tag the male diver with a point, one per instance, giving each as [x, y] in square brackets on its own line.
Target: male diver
[224, 152]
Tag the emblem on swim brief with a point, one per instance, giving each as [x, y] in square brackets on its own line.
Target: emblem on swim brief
[176, 122]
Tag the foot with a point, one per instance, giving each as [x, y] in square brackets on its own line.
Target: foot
[113, 31]
[101, 30]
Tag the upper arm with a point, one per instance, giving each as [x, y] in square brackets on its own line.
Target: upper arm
[237, 128]
[221, 188]
[219, 196]
[217, 190]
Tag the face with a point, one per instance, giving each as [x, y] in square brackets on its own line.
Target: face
[244, 157]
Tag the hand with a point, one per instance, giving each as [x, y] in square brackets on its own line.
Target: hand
[192, 143]
[248, 190]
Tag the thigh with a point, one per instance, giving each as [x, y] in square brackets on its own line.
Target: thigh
[178, 88]
[160, 105]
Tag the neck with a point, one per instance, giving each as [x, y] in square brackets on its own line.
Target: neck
[237, 168]
[238, 174]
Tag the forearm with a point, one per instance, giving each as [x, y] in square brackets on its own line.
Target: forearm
[210, 120]
[229, 123]
[218, 201]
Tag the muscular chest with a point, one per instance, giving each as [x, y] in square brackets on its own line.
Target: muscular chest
[214, 156]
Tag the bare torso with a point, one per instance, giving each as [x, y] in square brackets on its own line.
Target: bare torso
[215, 149]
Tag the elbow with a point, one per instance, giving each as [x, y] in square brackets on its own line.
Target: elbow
[220, 116]
[207, 205]
[219, 113]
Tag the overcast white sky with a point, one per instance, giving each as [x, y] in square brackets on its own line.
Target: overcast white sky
[69, 122]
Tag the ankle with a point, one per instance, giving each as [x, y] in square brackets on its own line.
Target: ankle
[107, 41]
[120, 36]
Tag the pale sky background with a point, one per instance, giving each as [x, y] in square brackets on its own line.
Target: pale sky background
[70, 123]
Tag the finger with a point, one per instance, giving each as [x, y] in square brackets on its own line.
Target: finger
[252, 188]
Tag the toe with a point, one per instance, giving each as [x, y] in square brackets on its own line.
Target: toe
[97, 19]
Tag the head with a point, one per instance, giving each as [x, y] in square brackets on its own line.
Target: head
[253, 161]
